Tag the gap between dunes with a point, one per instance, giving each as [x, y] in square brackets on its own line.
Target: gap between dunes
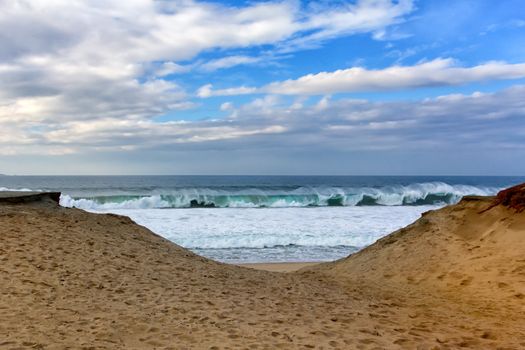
[72, 279]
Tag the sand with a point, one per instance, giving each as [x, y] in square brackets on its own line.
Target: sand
[281, 267]
[72, 279]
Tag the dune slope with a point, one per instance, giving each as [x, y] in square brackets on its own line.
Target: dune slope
[468, 257]
[69, 278]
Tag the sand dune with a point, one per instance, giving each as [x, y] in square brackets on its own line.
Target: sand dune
[458, 271]
[68, 278]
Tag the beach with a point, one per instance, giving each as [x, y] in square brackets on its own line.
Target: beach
[75, 279]
[265, 219]
[281, 267]
[261, 175]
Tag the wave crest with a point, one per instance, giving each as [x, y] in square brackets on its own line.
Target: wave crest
[432, 193]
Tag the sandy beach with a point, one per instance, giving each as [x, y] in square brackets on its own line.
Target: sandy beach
[262, 175]
[280, 267]
[71, 279]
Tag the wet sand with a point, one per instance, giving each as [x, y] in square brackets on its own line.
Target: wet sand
[279, 266]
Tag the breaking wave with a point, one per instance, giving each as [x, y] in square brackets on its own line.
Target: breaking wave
[430, 193]
[6, 189]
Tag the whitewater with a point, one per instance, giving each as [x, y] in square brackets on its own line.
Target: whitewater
[241, 219]
[435, 193]
[244, 235]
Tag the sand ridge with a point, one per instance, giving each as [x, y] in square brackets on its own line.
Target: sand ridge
[72, 279]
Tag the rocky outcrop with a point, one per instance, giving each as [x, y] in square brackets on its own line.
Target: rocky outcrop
[18, 197]
[513, 197]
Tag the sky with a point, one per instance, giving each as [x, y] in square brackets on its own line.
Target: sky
[366, 87]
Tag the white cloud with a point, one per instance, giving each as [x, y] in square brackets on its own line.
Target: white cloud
[226, 106]
[480, 133]
[168, 68]
[143, 31]
[207, 91]
[79, 77]
[347, 18]
[200, 66]
[438, 72]
[323, 103]
[74, 60]
[479, 123]
[227, 62]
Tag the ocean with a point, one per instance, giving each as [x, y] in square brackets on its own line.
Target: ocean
[244, 219]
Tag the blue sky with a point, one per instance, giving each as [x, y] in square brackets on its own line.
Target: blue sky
[262, 87]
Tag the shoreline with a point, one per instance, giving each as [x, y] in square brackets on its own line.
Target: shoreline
[280, 266]
[71, 279]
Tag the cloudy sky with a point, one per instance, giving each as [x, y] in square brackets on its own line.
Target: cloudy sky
[262, 87]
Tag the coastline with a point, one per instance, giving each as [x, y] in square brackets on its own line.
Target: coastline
[74, 279]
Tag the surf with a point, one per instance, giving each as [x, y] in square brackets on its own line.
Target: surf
[431, 193]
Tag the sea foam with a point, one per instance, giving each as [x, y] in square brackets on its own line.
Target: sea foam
[291, 234]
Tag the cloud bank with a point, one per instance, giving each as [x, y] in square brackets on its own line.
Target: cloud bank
[438, 72]
[68, 68]
[83, 78]
[480, 121]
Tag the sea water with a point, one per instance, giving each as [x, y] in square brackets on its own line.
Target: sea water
[241, 219]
